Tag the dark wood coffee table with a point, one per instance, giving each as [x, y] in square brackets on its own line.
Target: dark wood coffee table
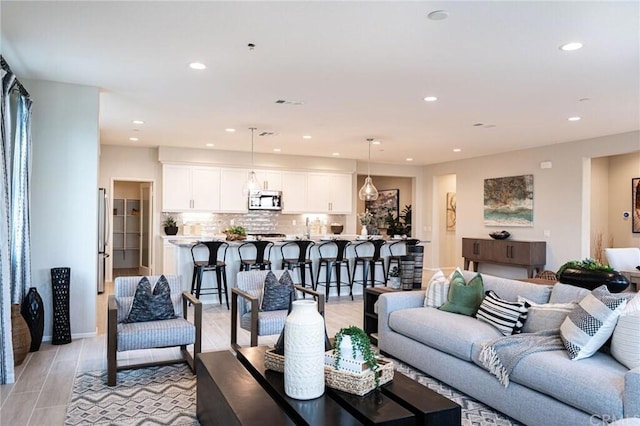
[244, 392]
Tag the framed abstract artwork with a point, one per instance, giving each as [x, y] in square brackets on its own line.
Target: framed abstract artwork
[635, 204]
[451, 211]
[508, 201]
[388, 202]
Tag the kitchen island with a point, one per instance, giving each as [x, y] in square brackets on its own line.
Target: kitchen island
[184, 262]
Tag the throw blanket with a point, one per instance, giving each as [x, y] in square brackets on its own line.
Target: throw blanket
[500, 356]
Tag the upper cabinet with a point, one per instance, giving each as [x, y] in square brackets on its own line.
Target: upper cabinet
[294, 192]
[232, 199]
[270, 179]
[190, 188]
[329, 193]
[213, 189]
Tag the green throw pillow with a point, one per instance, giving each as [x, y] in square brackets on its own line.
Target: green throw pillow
[464, 298]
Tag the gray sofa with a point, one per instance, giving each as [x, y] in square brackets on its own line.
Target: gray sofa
[546, 387]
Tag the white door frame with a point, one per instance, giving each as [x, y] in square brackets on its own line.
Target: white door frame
[154, 224]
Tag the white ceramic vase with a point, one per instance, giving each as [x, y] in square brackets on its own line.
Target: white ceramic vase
[364, 231]
[304, 351]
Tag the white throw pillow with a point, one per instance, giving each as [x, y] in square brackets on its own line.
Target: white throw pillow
[591, 323]
[633, 305]
[625, 343]
[545, 316]
[437, 290]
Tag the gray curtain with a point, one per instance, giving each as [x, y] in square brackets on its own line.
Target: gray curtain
[15, 246]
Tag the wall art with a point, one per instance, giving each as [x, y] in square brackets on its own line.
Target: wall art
[635, 204]
[388, 202]
[508, 201]
[451, 211]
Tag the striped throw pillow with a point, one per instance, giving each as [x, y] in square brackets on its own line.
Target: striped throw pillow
[591, 323]
[437, 290]
[508, 317]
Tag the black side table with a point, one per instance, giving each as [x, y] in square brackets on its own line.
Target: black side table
[60, 282]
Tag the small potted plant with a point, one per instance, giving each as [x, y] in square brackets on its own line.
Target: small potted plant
[353, 343]
[170, 226]
[394, 277]
[235, 233]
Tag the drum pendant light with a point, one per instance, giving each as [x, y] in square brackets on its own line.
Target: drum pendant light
[368, 192]
[252, 183]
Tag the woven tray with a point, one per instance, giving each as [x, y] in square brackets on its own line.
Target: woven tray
[273, 361]
[357, 384]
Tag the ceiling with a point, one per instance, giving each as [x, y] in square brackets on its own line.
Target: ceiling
[348, 71]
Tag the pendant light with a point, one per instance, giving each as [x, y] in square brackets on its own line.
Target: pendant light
[368, 192]
[252, 183]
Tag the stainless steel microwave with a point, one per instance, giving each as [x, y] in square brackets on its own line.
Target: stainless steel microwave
[265, 200]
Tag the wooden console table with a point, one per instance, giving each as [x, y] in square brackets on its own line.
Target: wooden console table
[526, 254]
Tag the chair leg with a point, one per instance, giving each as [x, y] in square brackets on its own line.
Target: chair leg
[199, 283]
[219, 283]
[223, 272]
[193, 279]
[338, 278]
[327, 285]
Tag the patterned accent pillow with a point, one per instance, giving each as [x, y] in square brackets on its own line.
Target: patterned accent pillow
[151, 306]
[437, 290]
[464, 298]
[625, 342]
[547, 316]
[277, 293]
[508, 317]
[591, 323]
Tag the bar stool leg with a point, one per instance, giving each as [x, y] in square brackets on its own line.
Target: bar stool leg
[219, 279]
[199, 283]
[223, 272]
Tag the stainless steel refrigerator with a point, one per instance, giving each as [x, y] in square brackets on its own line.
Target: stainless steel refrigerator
[103, 235]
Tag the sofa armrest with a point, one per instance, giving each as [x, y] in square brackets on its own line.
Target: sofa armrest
[631, 396]
[390, 302]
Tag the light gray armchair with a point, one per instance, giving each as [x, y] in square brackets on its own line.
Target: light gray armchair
[246, 311]
[123, 336]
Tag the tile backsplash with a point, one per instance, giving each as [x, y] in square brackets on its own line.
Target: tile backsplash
[255, 221]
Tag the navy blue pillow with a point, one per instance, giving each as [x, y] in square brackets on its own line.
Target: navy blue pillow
[151, 306]
[277, 293]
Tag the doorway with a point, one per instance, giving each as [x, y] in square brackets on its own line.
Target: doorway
[132, 245]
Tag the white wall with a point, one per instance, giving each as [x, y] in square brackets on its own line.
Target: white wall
[133, 163]
[64, 194]
[599, 206]
[558, 196]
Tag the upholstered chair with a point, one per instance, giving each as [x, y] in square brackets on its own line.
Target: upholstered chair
[123, 336]
[246, 311]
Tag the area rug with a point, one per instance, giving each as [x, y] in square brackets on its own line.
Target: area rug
[167, 396]
[163, 395]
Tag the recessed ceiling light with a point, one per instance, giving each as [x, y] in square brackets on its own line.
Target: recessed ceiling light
[576, 118]
[197, 66]
[138, 122]
[210, 144]
[134, 139]
[584, 99]
[438, 15]
[456, 150]
[276, 150]
[409, 159]
[336, 154]
[574, 45]
[306, 137]
[430, 99]
[229, 130]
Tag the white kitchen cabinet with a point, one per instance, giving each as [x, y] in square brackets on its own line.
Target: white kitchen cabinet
[168, 258]
[329, 193]
[270, 179]
[294, 192]
[232, 200]
[190, 188]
